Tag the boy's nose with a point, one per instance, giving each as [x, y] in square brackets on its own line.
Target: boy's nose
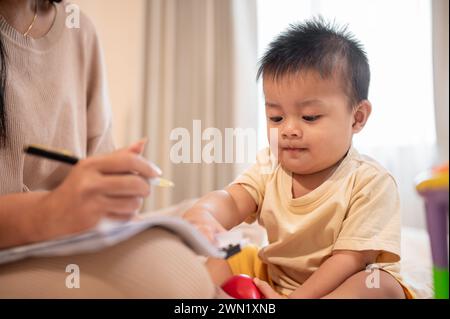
[291, 131]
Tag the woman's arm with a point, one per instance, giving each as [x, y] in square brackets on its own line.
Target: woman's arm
[19, 216]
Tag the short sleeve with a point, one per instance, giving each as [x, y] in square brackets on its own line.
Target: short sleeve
[99, 117]
[255, 178]
[373, 219]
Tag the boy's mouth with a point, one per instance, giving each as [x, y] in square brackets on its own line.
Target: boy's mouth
[293, 149]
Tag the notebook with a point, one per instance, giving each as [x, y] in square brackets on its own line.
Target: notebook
[108, 233]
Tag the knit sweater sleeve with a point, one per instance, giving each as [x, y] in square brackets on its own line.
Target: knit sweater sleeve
[99, 118]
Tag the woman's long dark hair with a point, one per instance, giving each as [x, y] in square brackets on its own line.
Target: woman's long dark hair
[3, 131]
[3, 73]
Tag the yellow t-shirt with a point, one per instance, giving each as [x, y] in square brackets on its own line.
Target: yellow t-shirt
[357, 208]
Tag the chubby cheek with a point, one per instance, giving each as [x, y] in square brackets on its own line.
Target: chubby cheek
[323, 151]
[337, 142]
[326, 143]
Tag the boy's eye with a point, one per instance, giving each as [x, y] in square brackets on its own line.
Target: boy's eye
[311, 118]
[276, 118]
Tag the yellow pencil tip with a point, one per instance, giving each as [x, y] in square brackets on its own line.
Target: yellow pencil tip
[166, 183]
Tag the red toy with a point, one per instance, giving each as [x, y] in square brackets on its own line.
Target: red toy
[242, 287]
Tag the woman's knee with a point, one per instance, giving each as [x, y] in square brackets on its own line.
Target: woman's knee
[172, 268]
[153, 264]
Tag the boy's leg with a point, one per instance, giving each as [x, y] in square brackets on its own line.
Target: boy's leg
[355, 287]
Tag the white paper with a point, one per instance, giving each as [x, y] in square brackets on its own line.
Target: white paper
[109, 233]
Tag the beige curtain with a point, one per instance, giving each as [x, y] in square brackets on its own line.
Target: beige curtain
[440, 68]
[200, 62]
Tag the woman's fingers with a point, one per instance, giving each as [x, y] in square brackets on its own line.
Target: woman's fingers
[123, 162]
[124, 206]
[120, 217]
[125, 185]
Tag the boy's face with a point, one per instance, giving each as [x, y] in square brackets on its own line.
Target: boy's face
[313, 118]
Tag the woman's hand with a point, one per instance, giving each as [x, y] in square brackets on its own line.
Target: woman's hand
[112, 185]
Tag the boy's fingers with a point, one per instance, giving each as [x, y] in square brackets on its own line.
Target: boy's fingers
[220, 228]
[260, 283]
[264, 287]
[207, 232]
[266, 290]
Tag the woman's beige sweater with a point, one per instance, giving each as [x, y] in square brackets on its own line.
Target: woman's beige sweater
[55, 96]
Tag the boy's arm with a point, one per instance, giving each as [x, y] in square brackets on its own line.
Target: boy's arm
[221, 210]
[333, 272]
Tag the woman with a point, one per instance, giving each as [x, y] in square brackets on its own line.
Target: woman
[52, 92]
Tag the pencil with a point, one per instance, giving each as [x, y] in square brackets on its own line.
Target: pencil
[60, 156]
[65, 157]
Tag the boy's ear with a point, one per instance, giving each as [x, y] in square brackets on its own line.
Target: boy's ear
[361, 115]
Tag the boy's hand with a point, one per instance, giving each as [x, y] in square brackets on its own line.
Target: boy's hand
[221, 210]
[266, 290]
[204, 222]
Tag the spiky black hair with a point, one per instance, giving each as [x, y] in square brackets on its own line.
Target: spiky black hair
[321, 46]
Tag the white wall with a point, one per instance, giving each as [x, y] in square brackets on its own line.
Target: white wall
[440, 64]
[120, 25]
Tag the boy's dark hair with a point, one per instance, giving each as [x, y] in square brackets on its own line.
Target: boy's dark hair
[320, 46]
